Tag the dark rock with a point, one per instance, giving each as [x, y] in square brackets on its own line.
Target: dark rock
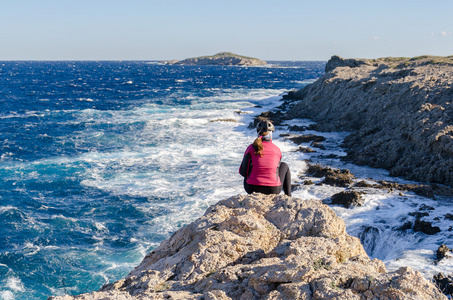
[425, 227]
[308, 182]
[334, 177]
[338, 179]
[406, 226]
[297, 128]
[418, 215]
[306, 138]
[276, 117]
[448, 217]
[445, 284]
[347, 199]
[317, 170]
[425, 207]
[305, 150]
[318, 145]
[423, 190]
[363, 184]
[442, 251]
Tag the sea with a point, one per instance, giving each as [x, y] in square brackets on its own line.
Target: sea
[100, 161]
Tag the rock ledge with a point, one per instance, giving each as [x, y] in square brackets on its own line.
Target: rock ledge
[265, 247]
[399, 112]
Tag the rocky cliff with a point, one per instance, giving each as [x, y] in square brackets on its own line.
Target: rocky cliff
[265, 247]
[399, 112]
[222, 58]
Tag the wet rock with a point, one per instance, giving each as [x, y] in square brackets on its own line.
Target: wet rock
[276, 117]
[424, 190]
[264, 247]
[442, 251]
[444, 283]
[306, 138]
[334, 177]
[347, 199]
[418, 215]
[342, 179]
[424, 207]
[305, 150]
[240, 112]
[425, 227]
[448, 217]
[318, 145]
[364, 184]
[297, 128]
[406, 226]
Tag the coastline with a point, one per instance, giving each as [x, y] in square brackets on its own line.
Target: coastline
[155, 277]
[398, 112]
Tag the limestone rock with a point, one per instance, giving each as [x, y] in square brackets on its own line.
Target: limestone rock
[399, 112]
[265, 247]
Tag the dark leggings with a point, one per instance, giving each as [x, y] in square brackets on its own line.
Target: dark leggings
[285, 178]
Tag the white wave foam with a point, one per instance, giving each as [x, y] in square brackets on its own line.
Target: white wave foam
[7, 295]
[15, 284]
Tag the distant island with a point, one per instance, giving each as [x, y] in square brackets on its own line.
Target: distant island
[219, 59]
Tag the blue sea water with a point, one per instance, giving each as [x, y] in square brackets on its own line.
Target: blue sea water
[101, 161]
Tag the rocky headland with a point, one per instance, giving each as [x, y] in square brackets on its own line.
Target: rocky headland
[399, 112]
[221, 59]
[265, 247]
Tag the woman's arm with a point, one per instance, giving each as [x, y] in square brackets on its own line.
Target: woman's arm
[246, 165]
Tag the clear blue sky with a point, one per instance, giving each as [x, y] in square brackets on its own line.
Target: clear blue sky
[177, 29]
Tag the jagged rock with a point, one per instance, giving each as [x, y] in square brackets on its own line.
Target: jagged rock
[398, 111]
[424, 207]
[449, 217]
[445, 284]
[364, 184]
[265, 247]
[334, 177]
[347, 199]
[425, 227]
[297, 128]
[343, 179]
[442, 251]
[318, 145]
[221, 58]
[306, 138]
[418, 215]
[305, 150]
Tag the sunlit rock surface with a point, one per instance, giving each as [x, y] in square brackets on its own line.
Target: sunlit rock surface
[265, 247]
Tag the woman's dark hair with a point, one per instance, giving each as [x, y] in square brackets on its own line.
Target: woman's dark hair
[258, 144]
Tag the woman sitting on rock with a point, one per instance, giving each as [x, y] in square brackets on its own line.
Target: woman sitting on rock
[261, 166]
